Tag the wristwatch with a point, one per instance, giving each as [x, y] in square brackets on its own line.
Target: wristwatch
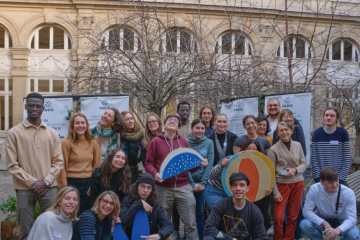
[202, 183]
[47, 183]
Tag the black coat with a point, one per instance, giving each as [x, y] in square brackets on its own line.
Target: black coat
[159, 223]
[231, 137]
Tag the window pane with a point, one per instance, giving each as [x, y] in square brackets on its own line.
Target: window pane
[129, 39]
[327, 54]
[32, 85]
[10, 84]
[217, 47]
[249, 47]
[171, 41]
[69, 43]
[291, 47]
[2, 84]
[114, 39]
[44, 85]
[356, 56]
[239, 44]
[10, 42]
[2, 112]
[336, 51]
[32, 42]
[44, 38]
[278, 52]
[58, 85]
[58, 38]
[10, 112]
[226, 43]
[347, 51]
[300, 48]
[185, 42]
[2, 38]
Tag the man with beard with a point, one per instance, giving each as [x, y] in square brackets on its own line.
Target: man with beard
[235, 218]
[183, 110]
[34, 158]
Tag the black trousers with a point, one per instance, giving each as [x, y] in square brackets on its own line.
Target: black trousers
[82, 185]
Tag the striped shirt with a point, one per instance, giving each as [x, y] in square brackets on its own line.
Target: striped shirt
[330, 150]
[215, 174]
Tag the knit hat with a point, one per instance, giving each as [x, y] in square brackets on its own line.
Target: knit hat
[239, 176]
[146, 178]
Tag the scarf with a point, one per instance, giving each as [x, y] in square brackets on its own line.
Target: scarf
[98, 131]
[131, 146]
[221, 150]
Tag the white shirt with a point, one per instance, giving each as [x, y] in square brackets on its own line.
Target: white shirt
[326, 206]
[272, 124]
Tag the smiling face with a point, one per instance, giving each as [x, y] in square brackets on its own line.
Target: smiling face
[129, 121]
[107, 119]
[198, 130]
[80, 126]
[118, 161]
[330, 118]
[106, 205]
[288, 118]
[207, 115]
[221, 124]
[69, 202]
[34, 108]
[284, 133]
[239, 188]
[273, 108]
[330, 186]
[261, 128]
[144, 190]
[250, 125]
[153, 124]
[184, 112]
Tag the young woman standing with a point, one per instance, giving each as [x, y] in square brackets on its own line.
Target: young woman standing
[263, 128]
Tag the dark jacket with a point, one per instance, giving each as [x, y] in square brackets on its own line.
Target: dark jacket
[298, 136]
[231, 137]
[96, 186]
[296, 122]
[159, 223]
[158, 149]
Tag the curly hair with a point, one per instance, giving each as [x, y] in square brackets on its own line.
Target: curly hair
[133, 196]
[106, 172]
[119, 122]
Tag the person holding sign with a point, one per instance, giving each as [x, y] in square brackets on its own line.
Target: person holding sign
[335, 205]
[82, 155]
[289, 161]
[207, 114]
[176, 189]
[108, 130]
[142, 194]
[131, 143]
[263, 128]
[235, 217]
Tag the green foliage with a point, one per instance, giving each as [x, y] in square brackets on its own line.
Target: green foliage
[261, 104]
[76, 109]
[37, 211]
[9, 208]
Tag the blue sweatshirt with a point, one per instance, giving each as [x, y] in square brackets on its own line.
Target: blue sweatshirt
[330, 150]
[205, 147]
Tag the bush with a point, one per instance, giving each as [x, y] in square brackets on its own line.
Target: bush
[9, 208]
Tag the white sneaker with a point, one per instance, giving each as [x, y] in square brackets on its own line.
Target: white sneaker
[270, 232]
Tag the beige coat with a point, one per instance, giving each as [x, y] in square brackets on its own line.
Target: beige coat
[283, 158]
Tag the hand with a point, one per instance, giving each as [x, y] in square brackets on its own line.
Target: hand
[117, 220]
[331, 233]
[113, 223]
[152, 237]
[225, 162]
[291, 172]
[325, 224]
[268, 192]
[39, 187]
[204, 163]
[195, 189]
[278, 197]
[158, 178]
[88, 192]
[201, 188]
[146, 206]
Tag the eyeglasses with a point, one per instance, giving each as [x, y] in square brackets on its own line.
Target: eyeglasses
[174, 120]
[32, 106]
[143, 187]
[152, 122]
[250, 123]
[106, 202]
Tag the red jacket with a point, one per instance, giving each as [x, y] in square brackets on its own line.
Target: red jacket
[157, 152]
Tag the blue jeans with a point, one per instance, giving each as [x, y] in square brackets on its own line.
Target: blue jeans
[314, 232]
[213, 195]
[200, 205]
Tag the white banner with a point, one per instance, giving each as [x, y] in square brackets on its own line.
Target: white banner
[300, 105]
[56, 114]
[237, 110]
[94, 107]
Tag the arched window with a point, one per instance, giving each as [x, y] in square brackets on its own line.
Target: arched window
[178, 40]
[5, 39]
[299, 48]
[121, 38]
[234, 44]
[50, 37]
[343, 50]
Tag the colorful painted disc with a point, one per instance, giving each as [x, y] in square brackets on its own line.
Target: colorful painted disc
[178, 161]
[257, 167]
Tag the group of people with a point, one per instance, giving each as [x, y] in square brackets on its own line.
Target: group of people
[96, 172]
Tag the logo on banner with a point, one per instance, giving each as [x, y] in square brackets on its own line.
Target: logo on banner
[287, 103]
[48, 107]
[238, 107]
[104, 102]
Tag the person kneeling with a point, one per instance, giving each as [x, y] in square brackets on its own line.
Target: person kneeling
[335, 213]
[235, 217]
[143, 194]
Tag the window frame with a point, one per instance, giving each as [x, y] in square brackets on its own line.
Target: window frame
[248, 43]
[6, 94]
[35, 35]
[6, 40]
[307, 44]
[342, 45]
[193, 41]
[51, 85]
[106, 35]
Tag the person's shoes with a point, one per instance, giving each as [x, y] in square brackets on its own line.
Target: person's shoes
[176, 235]
[270, 232]
[300, 238]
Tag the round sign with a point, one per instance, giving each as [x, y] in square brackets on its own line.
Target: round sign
[257, 167]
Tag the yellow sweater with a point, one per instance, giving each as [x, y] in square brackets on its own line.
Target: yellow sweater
[80, 164]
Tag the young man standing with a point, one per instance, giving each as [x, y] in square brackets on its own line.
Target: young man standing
[175, 190]
[335, 205]
[235, 217]
[34, 158]
[330, 147]
[183, 110]
[273, 108]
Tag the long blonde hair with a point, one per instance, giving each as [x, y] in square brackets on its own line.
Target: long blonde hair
[114, 197]
[137, 126]
[148, 135]
[55, 207]
[72, 136]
